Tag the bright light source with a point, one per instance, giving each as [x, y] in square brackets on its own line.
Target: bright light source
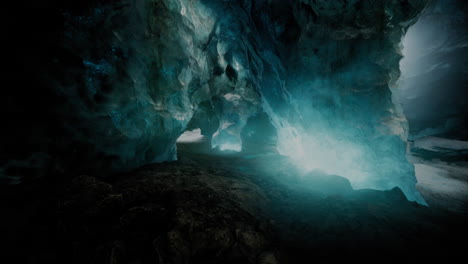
[227, 137]
[233, 147]
[309, 151]
[191, 136]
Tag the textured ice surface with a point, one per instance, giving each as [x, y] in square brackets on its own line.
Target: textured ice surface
[443, 186]
[342, 117]
[132, 76]
[442, 171]
[440, 144]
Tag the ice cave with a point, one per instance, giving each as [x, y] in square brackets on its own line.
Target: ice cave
[234, 131]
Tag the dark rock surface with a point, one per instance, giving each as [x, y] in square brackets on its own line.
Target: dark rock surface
[168, 213]
[211, 208]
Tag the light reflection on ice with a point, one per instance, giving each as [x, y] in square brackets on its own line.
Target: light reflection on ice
[191, 136]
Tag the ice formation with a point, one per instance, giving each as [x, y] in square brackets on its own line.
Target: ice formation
[130, 77]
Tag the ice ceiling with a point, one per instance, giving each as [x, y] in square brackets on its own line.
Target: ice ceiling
[130, 77]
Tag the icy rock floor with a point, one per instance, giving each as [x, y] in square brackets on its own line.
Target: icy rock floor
[219, 207]
[441, 167]
[222, 207]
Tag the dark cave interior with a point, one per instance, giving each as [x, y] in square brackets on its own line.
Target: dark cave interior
[233, 131]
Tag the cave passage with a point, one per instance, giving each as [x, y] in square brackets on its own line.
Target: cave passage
[191, 136]
[234, 131]
[127, 82]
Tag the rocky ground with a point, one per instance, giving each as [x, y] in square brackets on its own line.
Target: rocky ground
[212, 207]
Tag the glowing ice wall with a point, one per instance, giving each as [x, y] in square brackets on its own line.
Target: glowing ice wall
[340, 76]
[128, 77]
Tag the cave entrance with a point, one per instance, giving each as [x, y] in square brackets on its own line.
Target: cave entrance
[193, 141]
[191, 136]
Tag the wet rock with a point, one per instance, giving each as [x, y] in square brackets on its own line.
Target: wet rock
[117, 255]
[252, 242]
[168, 213]
[179, 247]
[267, 258]
[145, 220]
[396, 195]
[328, 184]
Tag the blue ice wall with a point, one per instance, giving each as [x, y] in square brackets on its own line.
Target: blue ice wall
[343, 118]
[326, 84]
[131, 76]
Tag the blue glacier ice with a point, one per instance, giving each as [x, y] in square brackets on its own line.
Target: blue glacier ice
[318, 77]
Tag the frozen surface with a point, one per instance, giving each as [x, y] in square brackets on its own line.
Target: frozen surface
[440, 144]
[129, 78]
[342, 116]
[442, 172]
[444, 185]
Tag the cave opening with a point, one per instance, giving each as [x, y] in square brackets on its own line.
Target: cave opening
[429, 89]
[191, 136]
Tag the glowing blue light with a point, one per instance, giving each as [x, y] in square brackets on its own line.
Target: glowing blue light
[232, 147]
[191, 136]
[227, 138]
[317, 151]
